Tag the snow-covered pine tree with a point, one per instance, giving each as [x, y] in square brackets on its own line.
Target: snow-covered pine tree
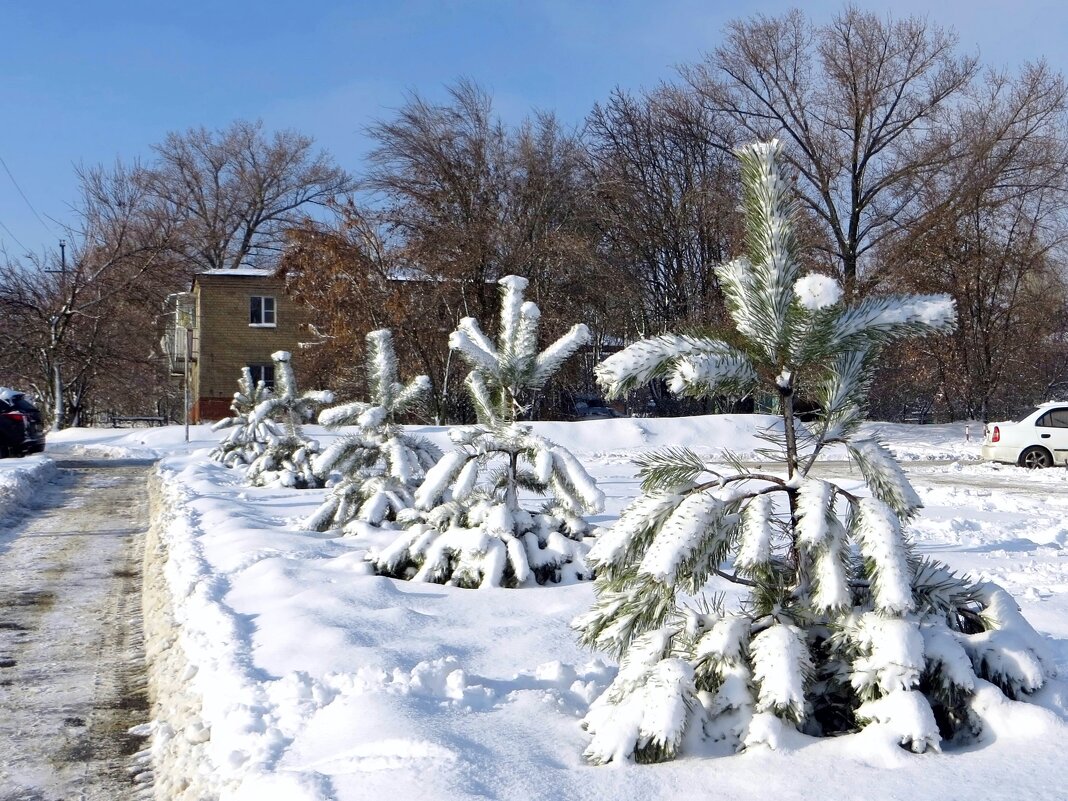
[504, 376]
[469, 534]
[268, 438]
[244, 440]
[379, 463]
[841, 624]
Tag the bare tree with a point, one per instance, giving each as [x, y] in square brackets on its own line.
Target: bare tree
[667, 191]
[236, 190]
[72, 320]
[440, 171]
[461, 200]
[993, 232]
[856, 102]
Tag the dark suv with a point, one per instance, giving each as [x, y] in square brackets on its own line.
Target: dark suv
[20, 425]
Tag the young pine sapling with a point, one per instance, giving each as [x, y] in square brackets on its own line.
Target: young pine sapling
[841, 625]
[269, 438]
[379, 463]
[469, 533]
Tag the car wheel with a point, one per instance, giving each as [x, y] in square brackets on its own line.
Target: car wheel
[1035, 458]
[4, 452]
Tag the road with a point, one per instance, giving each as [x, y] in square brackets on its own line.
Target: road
[71, 658]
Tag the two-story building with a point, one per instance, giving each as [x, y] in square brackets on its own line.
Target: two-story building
[238, 318]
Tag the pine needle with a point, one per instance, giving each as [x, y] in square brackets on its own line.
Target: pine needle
[668, 469]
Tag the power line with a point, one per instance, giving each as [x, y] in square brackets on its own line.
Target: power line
[23, 195]
[13, 236]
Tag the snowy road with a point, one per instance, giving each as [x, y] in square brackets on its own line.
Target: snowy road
[71, 660]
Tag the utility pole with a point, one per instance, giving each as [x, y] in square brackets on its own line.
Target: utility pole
[188, 356]
[57, 376]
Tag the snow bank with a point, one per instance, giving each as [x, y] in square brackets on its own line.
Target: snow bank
[129, 443]
[21, 479]
[615, 439]
[713, 436]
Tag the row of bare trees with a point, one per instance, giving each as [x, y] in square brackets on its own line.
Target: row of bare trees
[81, 324]
[917, 169]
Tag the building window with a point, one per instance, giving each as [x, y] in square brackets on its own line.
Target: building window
[262, 373]
[261, 310]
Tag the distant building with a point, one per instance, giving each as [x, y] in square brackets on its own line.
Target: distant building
[238, 318]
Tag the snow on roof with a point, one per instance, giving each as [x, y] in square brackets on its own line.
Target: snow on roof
[255, 272]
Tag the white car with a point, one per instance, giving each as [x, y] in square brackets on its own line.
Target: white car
[1038, 440]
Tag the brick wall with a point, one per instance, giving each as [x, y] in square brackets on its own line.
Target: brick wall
[226, 342]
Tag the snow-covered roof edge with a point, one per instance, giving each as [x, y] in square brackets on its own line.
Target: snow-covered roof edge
[255, 272]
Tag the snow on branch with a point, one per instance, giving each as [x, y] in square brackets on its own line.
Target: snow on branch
[469, 534]
[438, 478]
[892, 655]
[642, 716]
[683, 533]
[412, 397]
[907, 716]
[510, 371]
[759, 290]
[550, 359]
[631, 533]
[843, 393]
[882, 544]
[814, 512]
[782, 666]
[381, 366]
[374, 469]
[754, 550]
[815, 561]
[830, 571]
[885, 477]
[343, 415]
[267, 435]
[703, 374]
[465, 341]
[512, 289]
[882, 318]
[657, 357]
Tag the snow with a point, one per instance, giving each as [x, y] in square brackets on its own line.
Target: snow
[816, 291]
[881, 541]
[780, 659]
[813, 503]
[885, 312]
[905, 717]
[893, 649]
[755, 547]
[304, 676]
[550, 359]
[21, 480]
[246, 272]
[684, 532]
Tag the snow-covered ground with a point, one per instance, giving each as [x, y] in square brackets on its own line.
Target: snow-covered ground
[304, 676]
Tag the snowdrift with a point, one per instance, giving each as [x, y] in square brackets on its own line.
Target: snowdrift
[20, 479]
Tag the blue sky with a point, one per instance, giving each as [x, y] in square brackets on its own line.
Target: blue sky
[87, 82]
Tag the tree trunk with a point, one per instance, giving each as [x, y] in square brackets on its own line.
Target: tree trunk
[511, 490]
[58, 411]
